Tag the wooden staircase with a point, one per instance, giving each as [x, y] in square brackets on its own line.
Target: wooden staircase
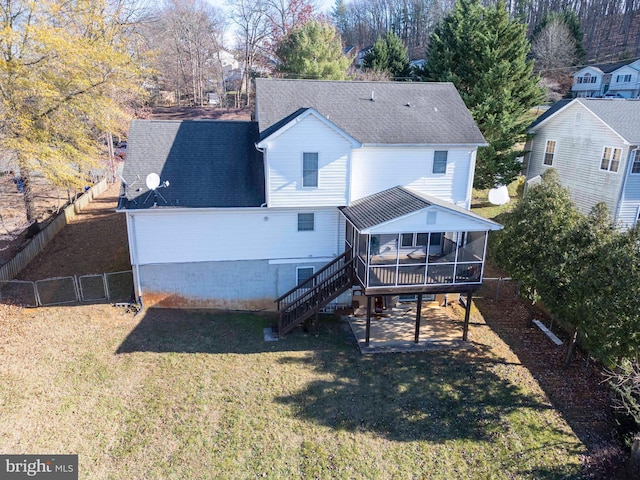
[307, 299]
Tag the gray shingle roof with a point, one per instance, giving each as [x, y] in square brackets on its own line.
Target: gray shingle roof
[207, 163]
[400, 112]
[621, 115]
[397, 202]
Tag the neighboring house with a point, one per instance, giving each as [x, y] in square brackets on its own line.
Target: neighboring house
[335, 184]
[607, 78]
[625, 81]
[593, 145]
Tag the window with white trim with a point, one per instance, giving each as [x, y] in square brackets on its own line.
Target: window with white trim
[549, 152]
[610, 159]
[635, 165]
[310, 169]
[303, 274]
[306, 222]
[440, 161]
[623, 78]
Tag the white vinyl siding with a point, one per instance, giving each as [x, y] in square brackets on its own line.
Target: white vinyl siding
[182, 235]
[375, 169]
[286, 169]
[578, 156]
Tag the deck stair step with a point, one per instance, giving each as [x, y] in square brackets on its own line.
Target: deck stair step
[307, 299]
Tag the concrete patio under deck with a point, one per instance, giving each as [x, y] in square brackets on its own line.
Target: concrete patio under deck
[394, 330]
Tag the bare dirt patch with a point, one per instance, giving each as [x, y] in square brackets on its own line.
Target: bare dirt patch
[94, 242]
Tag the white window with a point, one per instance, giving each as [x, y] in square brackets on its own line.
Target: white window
[310, 169]
[623, 78]
[303, 274]
[306, 222]
[635, 165]
[440, 161]
[549, 152]
[610, 159]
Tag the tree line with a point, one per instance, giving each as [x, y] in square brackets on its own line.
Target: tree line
[585, 270]
[361, 22]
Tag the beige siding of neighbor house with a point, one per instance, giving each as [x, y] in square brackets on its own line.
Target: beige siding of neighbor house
[580, 141]
[375, 169]
[284, 165]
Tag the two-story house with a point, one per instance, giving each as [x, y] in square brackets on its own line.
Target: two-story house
[611, 79]
[334, 184]
[625, 81]
[593, 145]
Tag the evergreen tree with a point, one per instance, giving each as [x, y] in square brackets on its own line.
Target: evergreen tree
[313, 51]
[484, 53]
[532, 245]
[388, 55]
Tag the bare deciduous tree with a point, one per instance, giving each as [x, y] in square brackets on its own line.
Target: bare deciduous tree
[187, 34]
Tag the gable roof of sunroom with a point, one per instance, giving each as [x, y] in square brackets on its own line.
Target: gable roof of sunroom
[400, 202]
[373, 113]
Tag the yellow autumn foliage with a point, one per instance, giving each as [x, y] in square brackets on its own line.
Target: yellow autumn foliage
[68, 73]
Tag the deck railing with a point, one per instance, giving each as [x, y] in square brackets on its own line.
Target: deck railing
[308, 298]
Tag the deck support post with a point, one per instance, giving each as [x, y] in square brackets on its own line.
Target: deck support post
[465, 331]
[368, 329]
[418, 316]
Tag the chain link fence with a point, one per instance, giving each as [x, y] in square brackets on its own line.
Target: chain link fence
[112, 287]
[502, 288]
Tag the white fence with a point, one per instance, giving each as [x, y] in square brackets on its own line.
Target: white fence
[112, 287]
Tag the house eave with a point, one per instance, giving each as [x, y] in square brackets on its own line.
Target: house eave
[264, 143]
[423, 145]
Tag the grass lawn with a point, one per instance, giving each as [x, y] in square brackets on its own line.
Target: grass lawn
[188, 395]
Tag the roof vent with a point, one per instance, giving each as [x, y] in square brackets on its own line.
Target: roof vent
[373, 97]
[408, 104]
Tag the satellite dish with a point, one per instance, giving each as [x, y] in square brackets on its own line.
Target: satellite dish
[153, 181]
[499, 195]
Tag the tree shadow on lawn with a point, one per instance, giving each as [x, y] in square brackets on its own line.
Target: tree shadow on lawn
[166, 330]
[434, 396]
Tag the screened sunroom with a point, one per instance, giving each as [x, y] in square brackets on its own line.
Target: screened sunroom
[404, 242]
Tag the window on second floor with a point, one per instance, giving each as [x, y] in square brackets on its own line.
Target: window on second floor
[635, 165]
[310, 169]
[440, 161]
[587, 78]
[306, 222]
[549, 152]
[623, 78]
[610, 159]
